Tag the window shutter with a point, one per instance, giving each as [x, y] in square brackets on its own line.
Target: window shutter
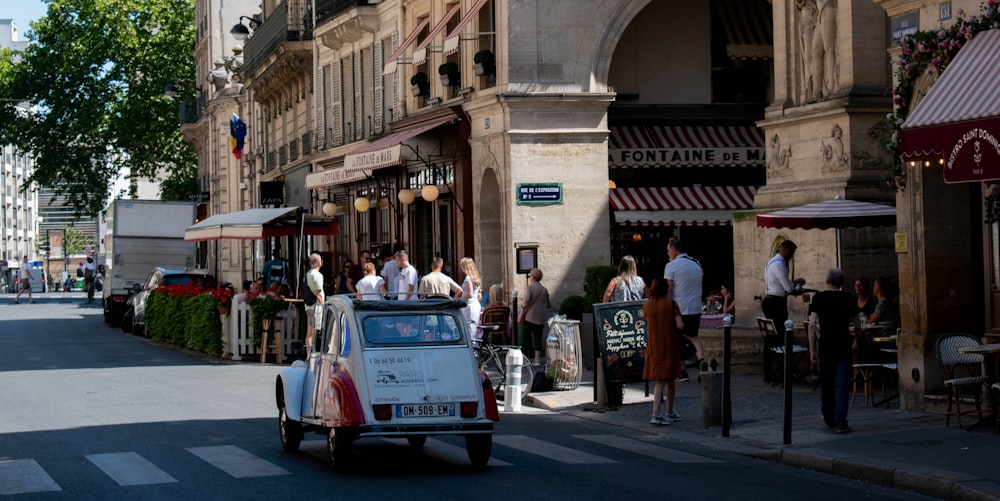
[336, 115]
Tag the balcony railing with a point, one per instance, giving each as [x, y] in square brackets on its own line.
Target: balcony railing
[290, 22]
[190, 109]
[328, 9]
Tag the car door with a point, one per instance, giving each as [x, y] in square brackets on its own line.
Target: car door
[323, 361]
[139, 302]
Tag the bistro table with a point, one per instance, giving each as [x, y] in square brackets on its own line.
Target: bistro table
[991, 354]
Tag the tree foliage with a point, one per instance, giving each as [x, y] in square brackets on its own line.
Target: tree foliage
[94, 74]
[75, 241]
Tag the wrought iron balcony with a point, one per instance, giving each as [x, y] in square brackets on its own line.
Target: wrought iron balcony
[291, 21]
[329, 9]
[190, 109]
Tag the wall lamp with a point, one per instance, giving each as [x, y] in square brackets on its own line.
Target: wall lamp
[240, 32]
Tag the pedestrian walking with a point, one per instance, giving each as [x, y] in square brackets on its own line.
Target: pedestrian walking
[89, 275]
[628, 285]
[663, 360]
[471, 293]
[436, 283]
[313, 292]
[407, 281]
[684, 276]
[834, 310]
[24, 277]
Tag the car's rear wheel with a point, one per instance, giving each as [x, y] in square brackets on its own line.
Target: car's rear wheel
[338, 444]
[291, 431]
[127, 321]
[417, 441]
[479, 447]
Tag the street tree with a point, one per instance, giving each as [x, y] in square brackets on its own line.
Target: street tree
[94, 76]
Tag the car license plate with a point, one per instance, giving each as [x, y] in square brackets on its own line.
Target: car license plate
[425, 410]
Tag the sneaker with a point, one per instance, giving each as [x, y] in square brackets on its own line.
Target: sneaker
[703, 365]
[17, 302]
[673, 416]
[659, 421]
[843, 429]
[684, 376]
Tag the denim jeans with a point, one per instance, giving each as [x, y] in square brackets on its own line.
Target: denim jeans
[835, 382]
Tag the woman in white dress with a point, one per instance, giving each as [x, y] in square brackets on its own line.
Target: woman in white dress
[471, 292]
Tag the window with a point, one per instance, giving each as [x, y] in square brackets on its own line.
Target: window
[409, 329]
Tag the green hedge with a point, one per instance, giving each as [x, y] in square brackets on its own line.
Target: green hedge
[594, 283]
[188, 321]
[573, 307]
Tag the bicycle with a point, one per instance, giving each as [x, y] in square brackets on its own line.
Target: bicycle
[492, 360]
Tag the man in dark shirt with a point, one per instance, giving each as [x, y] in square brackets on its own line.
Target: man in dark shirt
[831, 313]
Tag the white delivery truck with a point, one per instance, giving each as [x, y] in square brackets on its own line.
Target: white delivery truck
[142, 235]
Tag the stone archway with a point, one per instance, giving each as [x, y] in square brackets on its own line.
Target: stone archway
[491, 215]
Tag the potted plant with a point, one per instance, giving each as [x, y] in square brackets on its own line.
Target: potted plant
[449, 74]
[485, 63]
[420, 84]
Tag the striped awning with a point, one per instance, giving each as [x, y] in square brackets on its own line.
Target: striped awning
[748, 26]
[393, 61]
[685, 146]
[680, 206]
[420, 51]
[958, 123]
[451, 42]
[828, 214]
[260, 223]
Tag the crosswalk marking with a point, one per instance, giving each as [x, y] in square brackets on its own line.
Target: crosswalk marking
[446, 452]
[646, 449]
[237, 462]
[21, 476]
[129, 468]
[550, 450]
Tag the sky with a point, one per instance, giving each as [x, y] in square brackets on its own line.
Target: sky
[22, 12]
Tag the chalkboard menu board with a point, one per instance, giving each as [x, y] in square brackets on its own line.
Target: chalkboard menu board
[621, 337]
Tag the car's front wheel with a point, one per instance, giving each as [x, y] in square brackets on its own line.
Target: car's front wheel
[338, 444]
[291, 431]
[479, 447]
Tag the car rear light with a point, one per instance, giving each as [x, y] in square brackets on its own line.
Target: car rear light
[119, 299]
[469, 409]
[383, 412]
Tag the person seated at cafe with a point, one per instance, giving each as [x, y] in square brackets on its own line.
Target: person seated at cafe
[497, 302]
[866, 300]
[885, 311]
[273, 290]
[728, 300]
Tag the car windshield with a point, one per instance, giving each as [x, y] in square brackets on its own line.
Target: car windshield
[180, 279]
[412, 329]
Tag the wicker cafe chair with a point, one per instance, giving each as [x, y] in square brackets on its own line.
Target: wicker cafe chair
[962, 374]
[774, 352]
[496, 316]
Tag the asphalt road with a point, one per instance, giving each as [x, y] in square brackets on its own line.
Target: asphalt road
[88, 412]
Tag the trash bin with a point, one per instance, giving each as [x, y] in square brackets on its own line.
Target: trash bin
[563, 357]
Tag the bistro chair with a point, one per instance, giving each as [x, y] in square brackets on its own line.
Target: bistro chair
[962, 374]
[774, 353]
[498, 316]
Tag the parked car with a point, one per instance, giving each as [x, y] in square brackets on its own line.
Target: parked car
[134, 320]
[388, 369]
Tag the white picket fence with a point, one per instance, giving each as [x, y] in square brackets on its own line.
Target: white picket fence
[237, 333]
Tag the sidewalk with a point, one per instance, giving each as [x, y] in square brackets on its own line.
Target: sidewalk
[911, 451]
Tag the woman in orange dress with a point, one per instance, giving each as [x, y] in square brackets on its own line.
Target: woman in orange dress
[663, 358]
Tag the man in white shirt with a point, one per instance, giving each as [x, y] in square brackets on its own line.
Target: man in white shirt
[407, 283]
[314, 313]
[390, 273]
[775, 303]
[437, 283]
[25, 277]
[684, 276]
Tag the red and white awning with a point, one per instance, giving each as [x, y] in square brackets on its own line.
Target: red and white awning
[420, 51]
[685, 146]
[390, 64]
[748, 27]
[680, 206]
[451, 41]
[958, 123]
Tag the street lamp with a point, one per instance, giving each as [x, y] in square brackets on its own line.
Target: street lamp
[240, 32]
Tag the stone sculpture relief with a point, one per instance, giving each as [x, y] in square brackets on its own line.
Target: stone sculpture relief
[818, 48]
[834, 158]
[777, 159]
[875, 156]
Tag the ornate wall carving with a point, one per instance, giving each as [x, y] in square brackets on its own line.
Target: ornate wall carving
[817, 45]
[834, 158]
[777, 159]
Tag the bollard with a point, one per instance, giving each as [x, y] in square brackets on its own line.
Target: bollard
[711, 398]
[787, 378]
[727, 374]
[512, 392]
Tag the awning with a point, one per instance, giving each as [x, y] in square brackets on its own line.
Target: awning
[420, 51]
[451, 42]
[680, 206]
[748, 27]
[830, 214]
[392, 62]
[387, 151]
[691, 146]
[257, 224]
[958, 123]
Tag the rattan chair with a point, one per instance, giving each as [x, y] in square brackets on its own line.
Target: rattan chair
[496, 316]
[962, 374]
